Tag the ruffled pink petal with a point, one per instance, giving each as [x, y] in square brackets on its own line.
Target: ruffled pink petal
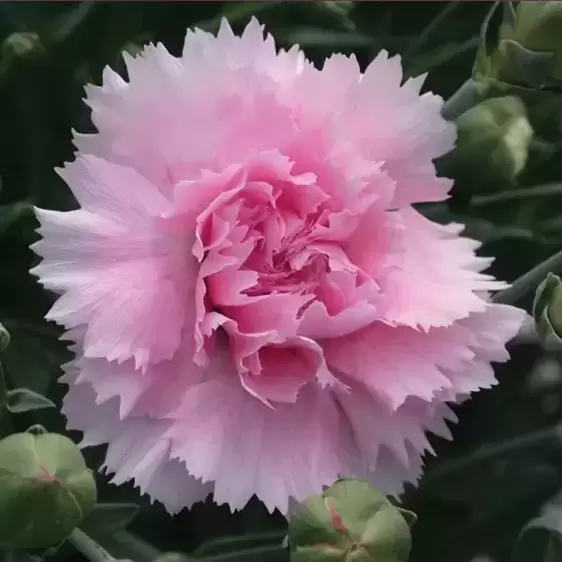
[225, 435]
[137, 449]
[397, 362]
[387, 447]
[433, 277]
[122, 280]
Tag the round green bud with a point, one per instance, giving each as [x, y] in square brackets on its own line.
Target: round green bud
[350, 522]
[46, 489]
[494, 139]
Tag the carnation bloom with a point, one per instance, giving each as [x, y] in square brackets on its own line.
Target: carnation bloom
[256, 306]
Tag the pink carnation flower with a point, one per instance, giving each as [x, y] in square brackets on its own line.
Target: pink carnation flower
[256, 307]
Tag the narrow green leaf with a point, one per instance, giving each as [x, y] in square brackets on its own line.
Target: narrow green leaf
[243, 542]
[108, 518]
[22, 400]
[66, 25]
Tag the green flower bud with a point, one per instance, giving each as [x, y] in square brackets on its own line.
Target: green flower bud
[4, 338]
[536, 31]
[547, 308]
[21, 45]
[45, 489]
[493, 143]
[350, 522]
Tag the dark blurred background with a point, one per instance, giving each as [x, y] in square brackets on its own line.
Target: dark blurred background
[506, 460]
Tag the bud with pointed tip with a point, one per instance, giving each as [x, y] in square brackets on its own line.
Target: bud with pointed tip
[45, 489]
[547, 308]
[350, 522]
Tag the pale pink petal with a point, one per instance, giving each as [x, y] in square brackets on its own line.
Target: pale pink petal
[225, 435]
[398, 362]
[137, 449]
[124, 284]
[418, 295]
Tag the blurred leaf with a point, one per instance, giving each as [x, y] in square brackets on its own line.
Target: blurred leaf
[314, 37]
[549, 190]
[440, 56]
[10, 214]
[34, 356]
[258, 554]
[541, 539]
[429, 30]
[69, 21]
[242, 542]
[22, 400]
[12, 555]
[235, 13]
[126, 545]
[109, 518]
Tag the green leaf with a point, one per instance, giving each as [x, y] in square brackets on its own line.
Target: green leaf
[308, 37]
[242, 542]
[70, 21]
[109, 518]
[22, 400]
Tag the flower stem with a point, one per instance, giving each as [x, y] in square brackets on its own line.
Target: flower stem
[536, 191]
[529, 281]
[462, 100]
[275, 553]
[89, 548]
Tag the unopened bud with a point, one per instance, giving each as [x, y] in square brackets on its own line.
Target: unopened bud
[493, 143]
[536, 33]
[350, 522]
[45, 489]
[21, 45]
[547, 308]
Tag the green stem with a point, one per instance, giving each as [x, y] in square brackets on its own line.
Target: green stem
[462, 100]
[529, 281]
[89, 548]
[538, 191]
[276, 553]
[234, 543]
